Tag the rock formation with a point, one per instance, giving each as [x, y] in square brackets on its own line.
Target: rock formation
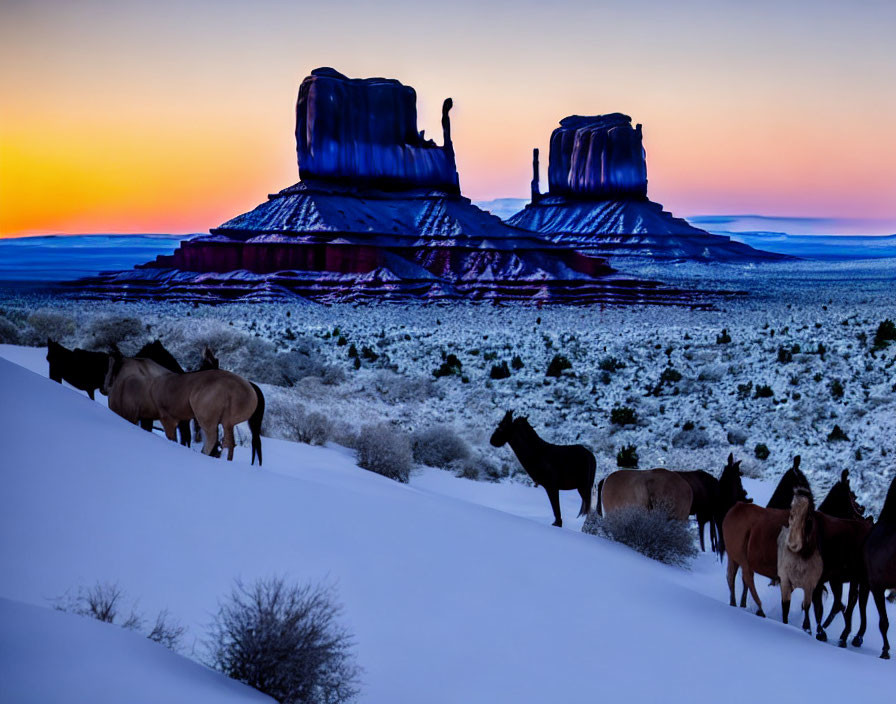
[597, 202]
[378, 214]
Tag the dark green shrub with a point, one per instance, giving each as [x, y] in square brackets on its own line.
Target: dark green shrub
[886, 332]
[763, 391]
[610, 364]
[627, 457]
[558, 365]
[517, 362]
[500, 371]
[836, 389]
[837, 435]
[761, 451]
[623, 415]
[724, 338]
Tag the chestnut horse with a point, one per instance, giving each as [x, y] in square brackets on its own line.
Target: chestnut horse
[555, 467]
[646, 488]
[880, 561]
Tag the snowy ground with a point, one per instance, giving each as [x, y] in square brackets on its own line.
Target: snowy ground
[456, 591]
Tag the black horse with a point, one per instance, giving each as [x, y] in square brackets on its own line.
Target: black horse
[705, 488]
[555, 467]
[156, 351]
[792, 479]
[82, 369]
[731, 491]
[880, 561]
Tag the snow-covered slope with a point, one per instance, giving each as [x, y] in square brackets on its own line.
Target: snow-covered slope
[449, 601]
[48, 656]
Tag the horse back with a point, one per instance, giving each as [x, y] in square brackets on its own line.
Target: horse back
[879, 553]
[841, 541]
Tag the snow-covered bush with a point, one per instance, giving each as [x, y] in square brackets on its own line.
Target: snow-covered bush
[736, 436]
[402, 388]
[692, 438]
[104, 331]
[652, 533]
[439, 446]
[284, 641]
[46, 322]
[106, 602]
[385, 450]
[9, 332]
[288, 419]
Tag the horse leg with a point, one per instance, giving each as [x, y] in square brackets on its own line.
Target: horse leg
[585, 493]
[819, 612]
[880, 603]
[197, 431]
[743, 594]
[210, 437]
[732, 573]
[837, 606]
[145, 424]
[700, 526]
[847, 615]
[170, 427]
[748, 580]
[863, 620]
[229, 441]
[786, 591]
[554, 497]
[90, 394]
[807, 601]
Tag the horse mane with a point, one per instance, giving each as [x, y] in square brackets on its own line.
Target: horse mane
[888, 512]
[841, 501]
[790, 481]
[156, 351]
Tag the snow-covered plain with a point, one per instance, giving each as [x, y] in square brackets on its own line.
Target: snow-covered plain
[449, 601]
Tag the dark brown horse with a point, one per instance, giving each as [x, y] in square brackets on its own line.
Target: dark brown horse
[880, 561]
[156, 351]
[555, 467]
[705, 490]
[731, 491]
[82, 369]
[790, 480]
[843, 546]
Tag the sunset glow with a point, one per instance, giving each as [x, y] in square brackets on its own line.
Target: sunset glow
[173, 117]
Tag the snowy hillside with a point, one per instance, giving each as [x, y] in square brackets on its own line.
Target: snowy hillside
[449, 601]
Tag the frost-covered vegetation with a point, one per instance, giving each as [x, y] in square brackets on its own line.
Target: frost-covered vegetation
[791, 368]
[651, 532]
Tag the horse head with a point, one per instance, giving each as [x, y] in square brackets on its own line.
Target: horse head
[116, 359]
[209, 361]
[502, 433]
[802, 537]
[56, 358]
[731, 482]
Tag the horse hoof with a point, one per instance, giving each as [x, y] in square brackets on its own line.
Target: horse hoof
[857, 641]
[822, 636]
[760, 613]
[842, 643]
[884, 656]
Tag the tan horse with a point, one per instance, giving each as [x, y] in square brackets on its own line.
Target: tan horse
[214, 397]
[799, 561]
[647, 488]
[141, 390]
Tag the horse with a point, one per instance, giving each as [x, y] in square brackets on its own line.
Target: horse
[790, 480]
[705, 488]
[209, 362]
[555, 467]
[646, 488]
[156, 351]
[141, 388]
[799, 561]
[82, 369]
[731, 491]
[846, 539]
[879, 554]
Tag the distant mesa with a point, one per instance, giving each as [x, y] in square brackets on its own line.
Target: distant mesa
[378, 214]
[597, 200]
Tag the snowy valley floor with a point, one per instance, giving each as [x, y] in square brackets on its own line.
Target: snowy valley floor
[455, 590]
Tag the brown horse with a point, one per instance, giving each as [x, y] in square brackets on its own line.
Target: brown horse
[646, 488]
[555, 467]
[799, 561]
[140, 389]
[705, 488]
[880, 561]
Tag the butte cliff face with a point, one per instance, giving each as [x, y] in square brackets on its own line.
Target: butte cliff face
[378, 214]
[597, 200]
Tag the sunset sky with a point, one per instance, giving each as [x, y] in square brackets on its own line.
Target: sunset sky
[165, 116]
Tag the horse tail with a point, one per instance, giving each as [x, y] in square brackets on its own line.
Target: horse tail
[600, 488]
[255, 424]
[588, 503]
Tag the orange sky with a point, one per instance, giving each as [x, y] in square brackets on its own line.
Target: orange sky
[173, 117]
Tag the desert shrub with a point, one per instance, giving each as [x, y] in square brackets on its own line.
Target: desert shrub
[623, 415]
[627, 457]
[45, 322]
[837, 435]
[743, 390]
[439, 446]
[652, 533]
[761, 451]
[763, 391]
[369, 354]
[499, 371]
[384, 450]
[113, 329]
[451, 365]
[712, 372]
[558, 365]
[886, 332]
[737, 436]
[399, 387]
[9, 332]
[610, 364]
[287, 419]
[690, 438]
[106, 602]
[285, 641]
[517, 362]
[670, 376]
[836, 389]
[724, 338]
[784, 355]
[353, 351]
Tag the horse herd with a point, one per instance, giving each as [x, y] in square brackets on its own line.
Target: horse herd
[789, 541]
[153, 386]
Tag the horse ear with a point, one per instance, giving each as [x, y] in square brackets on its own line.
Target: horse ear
[796, 462]
[730, 458]
[844, 476]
